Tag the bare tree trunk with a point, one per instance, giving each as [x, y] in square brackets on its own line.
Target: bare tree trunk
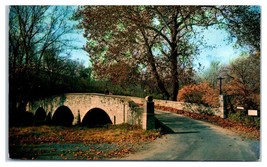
[173, 57]
[152, 64]
[156, 75]
[175, 81]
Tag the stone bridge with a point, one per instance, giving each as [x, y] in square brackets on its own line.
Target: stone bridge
[87, 109]
[93, 109]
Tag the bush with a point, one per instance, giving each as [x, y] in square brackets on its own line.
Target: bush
[245, 119]
[201, 93]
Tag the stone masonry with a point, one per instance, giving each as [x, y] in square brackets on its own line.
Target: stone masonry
[119, 109]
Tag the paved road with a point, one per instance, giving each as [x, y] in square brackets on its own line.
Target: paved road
[197, 141]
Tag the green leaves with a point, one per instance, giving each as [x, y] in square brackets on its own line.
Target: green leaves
[244, 23]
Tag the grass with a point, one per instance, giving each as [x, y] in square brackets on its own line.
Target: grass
[77, 143]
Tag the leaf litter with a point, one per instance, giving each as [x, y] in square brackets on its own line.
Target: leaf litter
[77, 143]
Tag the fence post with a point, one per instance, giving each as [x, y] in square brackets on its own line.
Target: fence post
[148, 115]
[222, 108]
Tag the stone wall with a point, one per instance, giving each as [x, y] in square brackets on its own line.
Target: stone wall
[191, 107]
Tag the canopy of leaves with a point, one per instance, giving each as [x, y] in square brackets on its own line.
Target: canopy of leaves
[156, 39]
[244, 23]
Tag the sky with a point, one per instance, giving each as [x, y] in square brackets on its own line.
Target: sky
[80, 54]
[223, 50]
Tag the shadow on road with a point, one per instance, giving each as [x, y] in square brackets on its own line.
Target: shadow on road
[186, 132]
[166, 130]
[163, 128]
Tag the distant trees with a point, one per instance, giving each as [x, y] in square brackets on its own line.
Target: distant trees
[212, 73]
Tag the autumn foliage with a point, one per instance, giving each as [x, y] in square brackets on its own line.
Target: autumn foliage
[242, 82]
[201, 93]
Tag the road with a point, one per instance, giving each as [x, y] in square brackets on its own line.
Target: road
[197, 141]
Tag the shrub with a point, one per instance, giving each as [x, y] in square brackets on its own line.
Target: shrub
[201, 93]
[245, 119]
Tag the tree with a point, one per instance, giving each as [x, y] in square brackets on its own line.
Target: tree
[156, 38]
[243, 81]
[244, 23]
[212, 73]
[34, 31]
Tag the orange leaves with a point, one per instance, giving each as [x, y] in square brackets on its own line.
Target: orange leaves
[119, 72]
[201, 93]
[244, 81]
[122, 72]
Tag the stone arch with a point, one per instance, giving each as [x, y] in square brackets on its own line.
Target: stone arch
[40, 116]
[62, 116]
[96, 117]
